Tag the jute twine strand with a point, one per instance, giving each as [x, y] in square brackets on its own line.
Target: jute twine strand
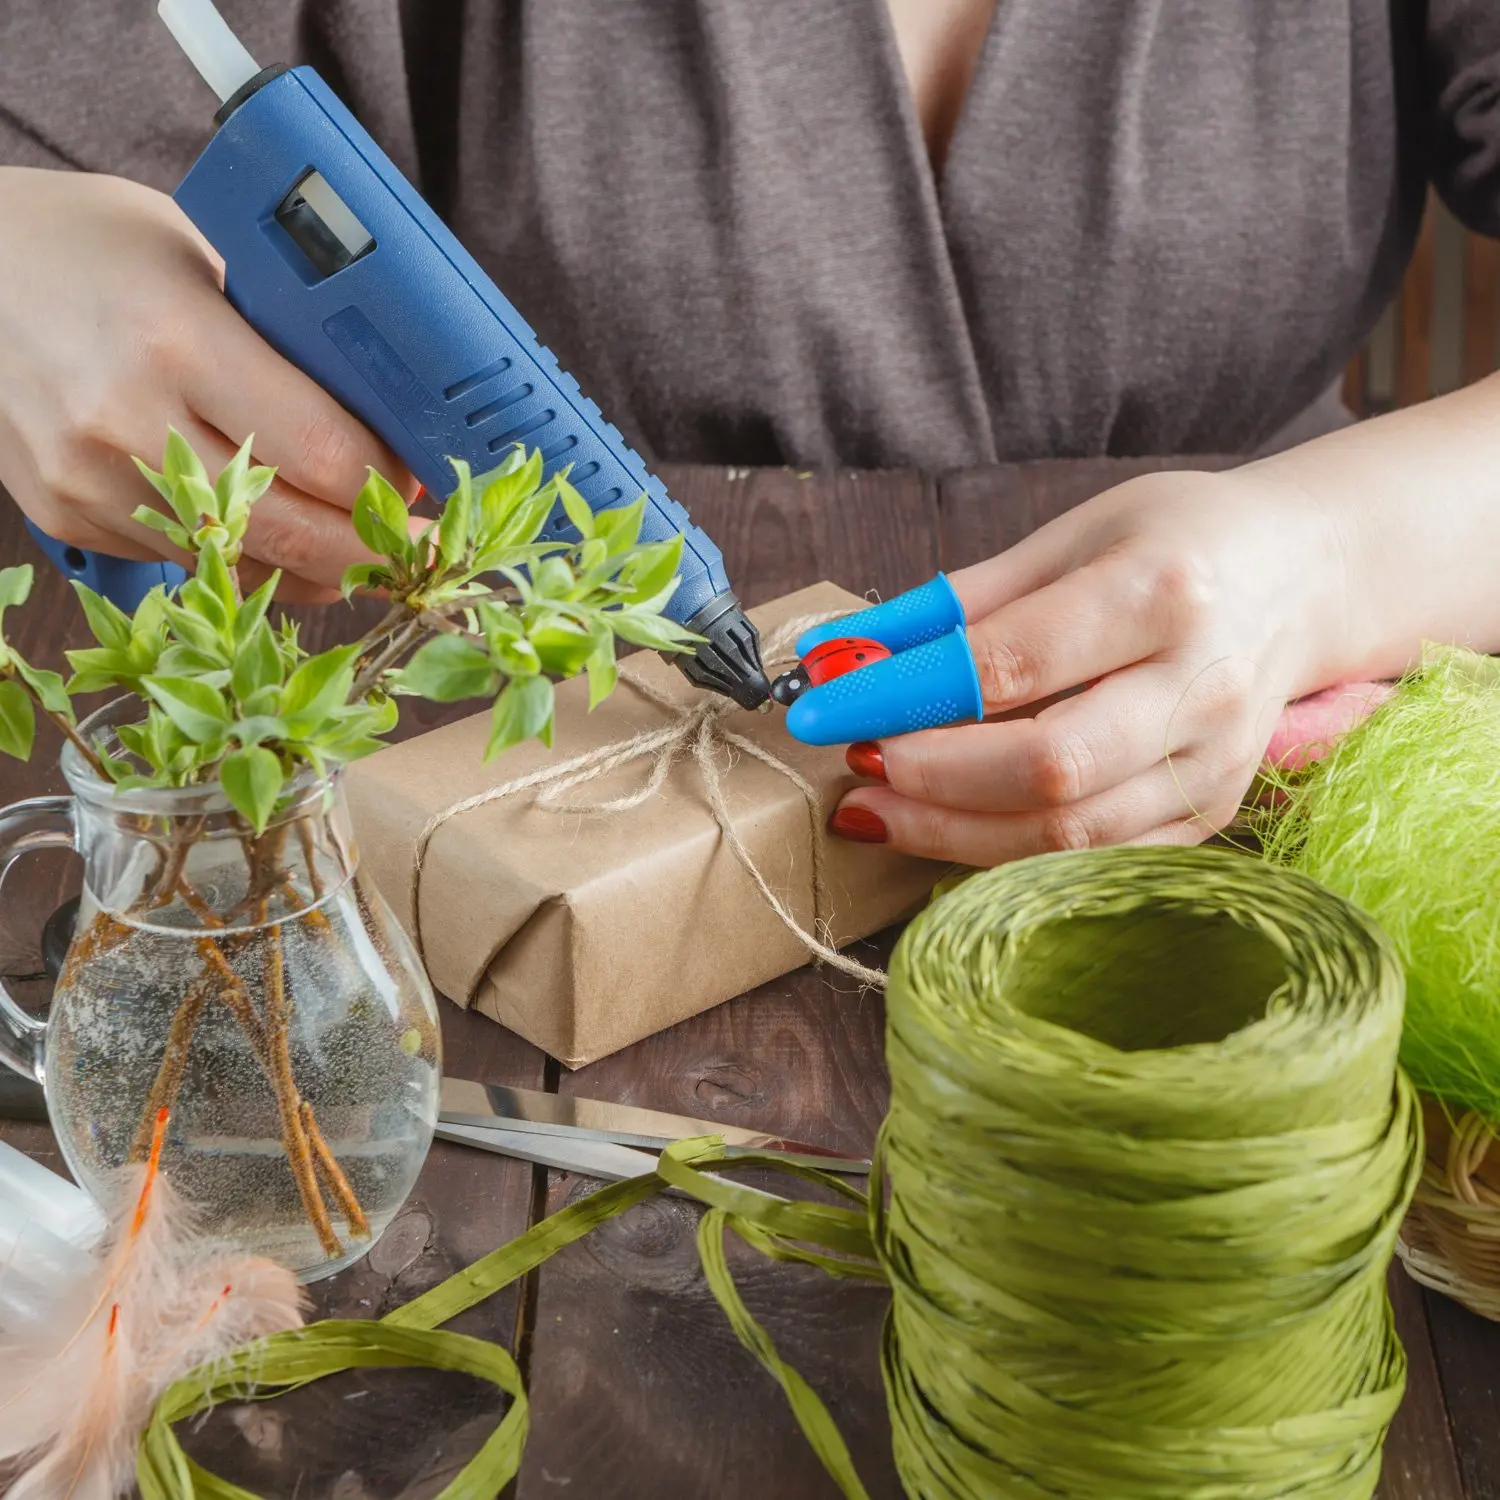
[700, 731]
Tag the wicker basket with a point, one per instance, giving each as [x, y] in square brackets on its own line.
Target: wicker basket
[1450, 1240]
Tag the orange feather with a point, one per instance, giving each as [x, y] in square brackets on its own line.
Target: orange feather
[77, 1388]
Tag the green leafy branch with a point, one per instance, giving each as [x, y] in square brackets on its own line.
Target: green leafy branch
[479, 607]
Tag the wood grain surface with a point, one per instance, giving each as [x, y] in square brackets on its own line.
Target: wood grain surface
[638, 1387]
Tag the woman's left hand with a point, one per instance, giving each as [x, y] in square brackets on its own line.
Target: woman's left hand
[1153, 637]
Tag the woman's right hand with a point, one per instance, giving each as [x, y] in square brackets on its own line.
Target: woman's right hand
[114, 326]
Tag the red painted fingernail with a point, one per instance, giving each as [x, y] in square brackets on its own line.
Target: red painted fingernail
[866, 759]
[858, 824]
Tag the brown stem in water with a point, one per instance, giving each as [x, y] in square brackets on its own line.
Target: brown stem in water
[183, 839]
[333, 1175]
[309, 857]
[168, 1080]
[308, 1154]
[102, 934]
[299, 1152]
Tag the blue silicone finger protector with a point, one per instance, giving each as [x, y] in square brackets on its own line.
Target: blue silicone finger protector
[926, 687]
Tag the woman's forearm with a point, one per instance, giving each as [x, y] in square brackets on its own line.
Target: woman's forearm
[1413, 504]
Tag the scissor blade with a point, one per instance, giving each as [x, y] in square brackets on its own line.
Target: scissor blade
[465, 1102]
[590, 1158]
[570, 1153]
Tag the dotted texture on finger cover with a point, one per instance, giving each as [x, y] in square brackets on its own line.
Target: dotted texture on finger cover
[896, 692]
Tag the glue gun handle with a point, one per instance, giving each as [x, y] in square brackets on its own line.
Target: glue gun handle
[118, 579]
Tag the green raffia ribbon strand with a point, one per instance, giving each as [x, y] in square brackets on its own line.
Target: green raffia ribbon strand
[1146, 1155]
[1401, 817]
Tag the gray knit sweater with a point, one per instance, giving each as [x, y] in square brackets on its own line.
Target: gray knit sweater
[1164, 225]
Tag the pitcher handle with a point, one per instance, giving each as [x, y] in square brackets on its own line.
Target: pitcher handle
[25, 827]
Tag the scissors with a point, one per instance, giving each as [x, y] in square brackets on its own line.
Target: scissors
[598, 1139]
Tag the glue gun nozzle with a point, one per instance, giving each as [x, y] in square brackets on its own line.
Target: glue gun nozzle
[728, 661]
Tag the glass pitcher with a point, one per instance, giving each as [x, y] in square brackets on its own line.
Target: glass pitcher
[254, 988]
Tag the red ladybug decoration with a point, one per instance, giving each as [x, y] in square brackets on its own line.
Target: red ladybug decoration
[825, 662]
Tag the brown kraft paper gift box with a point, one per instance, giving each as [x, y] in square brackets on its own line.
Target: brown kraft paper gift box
[586, 931]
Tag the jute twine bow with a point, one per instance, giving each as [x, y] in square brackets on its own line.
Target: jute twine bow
[699, 729]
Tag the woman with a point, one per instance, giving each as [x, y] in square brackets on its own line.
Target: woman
[882, 232]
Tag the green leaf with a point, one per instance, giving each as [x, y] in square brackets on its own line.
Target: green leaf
[109, 623]
[552, 578]
[257, 664]
[136, 738]
[179, 461]
[254, 728]
[254, 609]
[195, 503]
[576, 507]
[562, 648]
[252, 780]
[523, 522]
[364, 576]
[48, 686]
[652, 571]
[503, 489]
[197, 598]
[158, 482]
[214, 574]
[97, 667]
[194, 707]
[150, 621]
[621, 526]
[448, 669]
[232, 476]
[114, 767]
[320, 684]
[522, 711]
[15, 585]
[188, 661]
[191, 628]
[153, 520]
[457, 520]
[17, 718]
[380, 519]
[264, 700]
[603, 673]
[649, 630]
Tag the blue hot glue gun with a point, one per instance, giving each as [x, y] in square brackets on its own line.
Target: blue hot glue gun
[330, 254]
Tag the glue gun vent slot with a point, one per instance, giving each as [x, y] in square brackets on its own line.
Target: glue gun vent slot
[477, 379]
[539, 421]
[482, 414]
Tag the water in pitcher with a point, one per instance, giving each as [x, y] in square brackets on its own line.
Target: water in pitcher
[349, 1021]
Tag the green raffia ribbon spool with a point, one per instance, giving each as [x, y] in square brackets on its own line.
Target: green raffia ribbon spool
[1146, 1156]
[1148, 1149]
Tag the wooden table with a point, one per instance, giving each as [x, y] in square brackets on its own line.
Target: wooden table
[638, 1388]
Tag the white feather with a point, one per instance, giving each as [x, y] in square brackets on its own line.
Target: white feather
[77, 1387]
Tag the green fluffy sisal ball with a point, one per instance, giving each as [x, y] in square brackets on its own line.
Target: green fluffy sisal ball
[1403, 818]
